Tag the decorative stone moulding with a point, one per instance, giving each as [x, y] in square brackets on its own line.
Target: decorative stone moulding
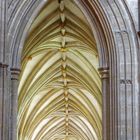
[3, 65]
[15, 73]
[104, 72]
[127, 81]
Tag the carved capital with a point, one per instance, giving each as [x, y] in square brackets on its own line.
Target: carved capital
[3, 68]
[126, 81]
[15, 73]
[2, 65]
[104, 72]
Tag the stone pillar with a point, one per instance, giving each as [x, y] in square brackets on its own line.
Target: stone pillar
[14, 102]
[139, 18]
[4, 102]
[1, 101]
[104, 72]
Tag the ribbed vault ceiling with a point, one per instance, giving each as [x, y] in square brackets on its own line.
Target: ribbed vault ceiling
[60, 88]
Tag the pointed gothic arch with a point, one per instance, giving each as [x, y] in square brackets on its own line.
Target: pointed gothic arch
[117, 47]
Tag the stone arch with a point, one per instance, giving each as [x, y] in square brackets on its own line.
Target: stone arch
[117, 45]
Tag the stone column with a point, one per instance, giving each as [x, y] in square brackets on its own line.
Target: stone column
[1, 101]
[4, 102]
[104, 72]
[14, 102]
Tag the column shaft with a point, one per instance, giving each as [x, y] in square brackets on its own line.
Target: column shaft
[4, 102]
[14, 102]
[106, 102]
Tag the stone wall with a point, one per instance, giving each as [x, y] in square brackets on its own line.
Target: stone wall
[133, 7]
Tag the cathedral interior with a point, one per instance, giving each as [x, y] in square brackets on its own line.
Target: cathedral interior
[69, 70]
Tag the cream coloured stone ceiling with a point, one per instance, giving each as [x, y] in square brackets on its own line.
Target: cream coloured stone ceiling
[59, 95]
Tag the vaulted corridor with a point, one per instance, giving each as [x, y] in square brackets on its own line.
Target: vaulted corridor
[59, 94]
